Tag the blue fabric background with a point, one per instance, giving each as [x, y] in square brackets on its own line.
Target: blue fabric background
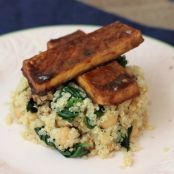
[21, 14]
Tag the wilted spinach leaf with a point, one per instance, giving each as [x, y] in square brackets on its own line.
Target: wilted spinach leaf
[73, 91]
[78, 150]
[100, 112]
[89, 123]
[67, 115]
[77, 96]
[31, 106]
[45, 137]
[126, 139]
[122, 61]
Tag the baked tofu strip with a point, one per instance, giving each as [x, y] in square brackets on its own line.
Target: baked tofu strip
[55, 66]
[69, 39]
[62, 41]
[109, 84]
[86, 80]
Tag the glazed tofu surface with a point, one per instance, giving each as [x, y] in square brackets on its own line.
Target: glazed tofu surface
[62, 41]
[109, 84]
[58, 65]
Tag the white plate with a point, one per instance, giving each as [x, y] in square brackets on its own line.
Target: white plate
[16, 154]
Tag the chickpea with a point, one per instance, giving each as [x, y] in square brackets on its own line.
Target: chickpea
[109, 121]
[61, 123]
[66, 136]
[63, 135]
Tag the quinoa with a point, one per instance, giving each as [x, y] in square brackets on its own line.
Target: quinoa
[99, 130]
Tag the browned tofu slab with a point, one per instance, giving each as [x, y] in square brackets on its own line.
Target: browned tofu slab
[56, 66]
[62, 41]
[86, 80]
[109, 84]
[69, 39]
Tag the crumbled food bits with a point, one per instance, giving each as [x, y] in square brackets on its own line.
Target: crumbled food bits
[135, 147]
[31, 137]
[9, 119]
[149, 127]
[128, 159]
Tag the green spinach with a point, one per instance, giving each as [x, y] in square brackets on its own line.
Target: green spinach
[45, 137]
[122, 61]
[100, 112]
[31, 106]
[76, 96]
[78, 150]
[67, 115]
[75, 92]
[126, 139]
[89, 123]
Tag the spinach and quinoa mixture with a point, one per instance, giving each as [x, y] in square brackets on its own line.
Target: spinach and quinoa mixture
[68, 121]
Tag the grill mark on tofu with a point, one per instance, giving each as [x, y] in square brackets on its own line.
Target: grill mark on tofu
[109, 84]
[59, 65]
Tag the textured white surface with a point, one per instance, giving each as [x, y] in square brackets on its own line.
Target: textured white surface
[16, 154]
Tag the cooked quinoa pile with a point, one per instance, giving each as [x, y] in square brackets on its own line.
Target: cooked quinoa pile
[68, 121]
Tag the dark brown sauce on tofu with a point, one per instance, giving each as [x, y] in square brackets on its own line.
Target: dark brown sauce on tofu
[122, 81]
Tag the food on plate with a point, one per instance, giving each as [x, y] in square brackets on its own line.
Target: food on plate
[103, 82]
[95, 113]
[58, 65]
